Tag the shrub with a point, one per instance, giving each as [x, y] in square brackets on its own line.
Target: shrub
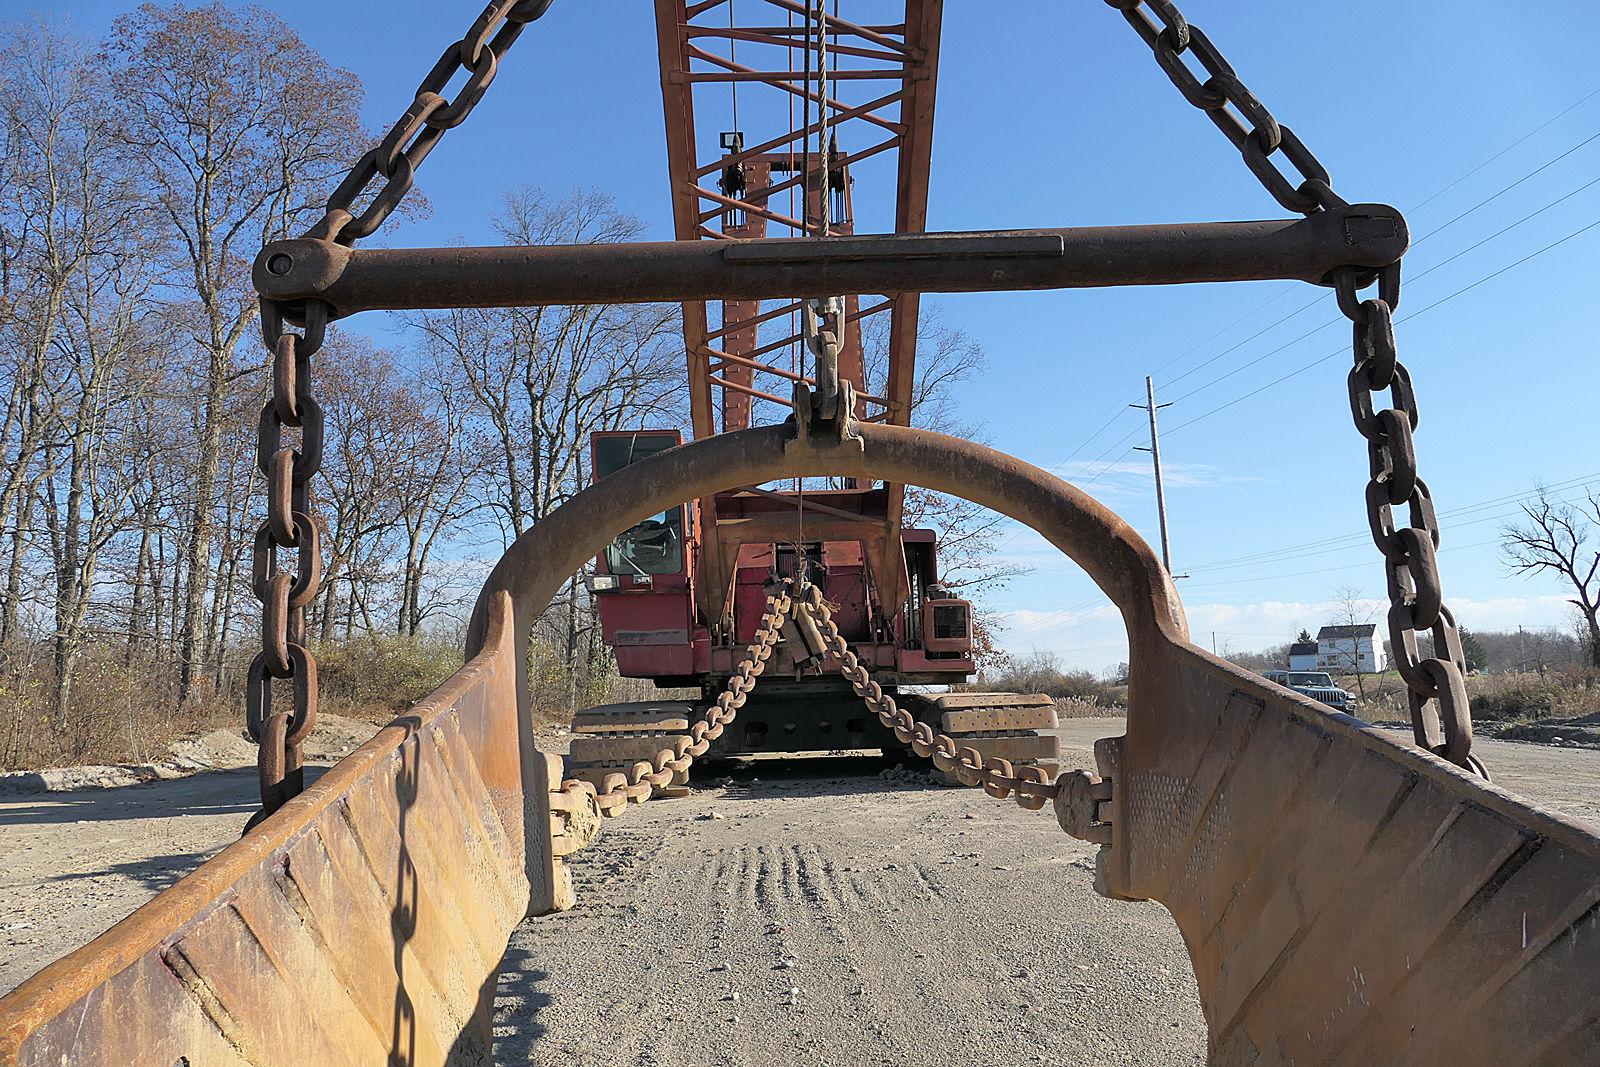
[115, 711]
[1570, 693]
[1515, 696]
[379, 677]
[1041, 673]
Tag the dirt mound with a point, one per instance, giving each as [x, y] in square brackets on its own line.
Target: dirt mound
[1569, 733]
[334, 738]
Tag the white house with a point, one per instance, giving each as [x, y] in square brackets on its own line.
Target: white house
[1351, 649]
[1303, 656]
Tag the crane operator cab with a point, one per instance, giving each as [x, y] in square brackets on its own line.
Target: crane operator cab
[654, 546]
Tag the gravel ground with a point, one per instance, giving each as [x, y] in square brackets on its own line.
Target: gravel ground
[832, 916]
[918, 924]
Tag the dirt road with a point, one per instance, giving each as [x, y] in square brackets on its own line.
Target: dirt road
[860, 919]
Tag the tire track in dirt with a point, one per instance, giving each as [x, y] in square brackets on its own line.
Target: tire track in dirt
[850, 921]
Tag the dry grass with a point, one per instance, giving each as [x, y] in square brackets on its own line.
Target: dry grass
[1556, 695]
[114, 712]
[118, 713]
[1084, 708]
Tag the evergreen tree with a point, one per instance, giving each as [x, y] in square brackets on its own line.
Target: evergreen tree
[1477, 659]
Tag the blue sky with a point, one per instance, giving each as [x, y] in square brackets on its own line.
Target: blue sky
[1053, 113]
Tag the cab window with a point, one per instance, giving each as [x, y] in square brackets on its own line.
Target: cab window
[654, 546]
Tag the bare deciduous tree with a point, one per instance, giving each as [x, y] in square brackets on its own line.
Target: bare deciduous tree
[1353, 611]
[544, 379]
[239, 125]
[1557, 538]
[948, 360]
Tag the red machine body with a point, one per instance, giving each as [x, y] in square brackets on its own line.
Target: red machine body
[680, 595]
[824, 92]
[653, 618]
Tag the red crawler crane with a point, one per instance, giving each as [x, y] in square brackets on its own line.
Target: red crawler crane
[680, 595]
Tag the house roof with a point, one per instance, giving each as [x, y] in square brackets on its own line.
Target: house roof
[1303, 648]
[1366, 629]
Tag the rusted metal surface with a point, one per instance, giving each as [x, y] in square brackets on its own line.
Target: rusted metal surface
[661, 761]
[362, 923]
[802, 617]
[362, 280]
[1440, 716]
[288, 469]
[392, 165]
[1345, 899]
[1441, 719]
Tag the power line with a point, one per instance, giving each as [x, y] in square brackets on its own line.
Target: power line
[1537, 129]
[1504, 230]
[1407, 318]
[1498, 193]
[1119, 409]
[1055, 629]
[1348, 548]
[1324, 360]
[1333, 321]
[1065, 626]
[1097, 605]
[1316, 299]
[1107, 467]
[1321, 570]
[1362, 537]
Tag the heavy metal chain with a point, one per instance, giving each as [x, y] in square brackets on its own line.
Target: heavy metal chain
[281, 730]
[1440, 717]
[822, 318]
[644, 777]
[426, 121]
[284, 595]
[1030, 785]
[1076, 795]
[1258, 136]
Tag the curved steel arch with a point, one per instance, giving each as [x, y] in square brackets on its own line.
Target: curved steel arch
[1295, 846]
[1108, 549]
[1344, 898]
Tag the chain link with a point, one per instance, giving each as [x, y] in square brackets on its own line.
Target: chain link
[1030, 786]
[1436, 685]
[641, 780]
[1440, 716]
[425, 121]
[281, 731]
[288, 469]
[1250, 126]
[1077, 795]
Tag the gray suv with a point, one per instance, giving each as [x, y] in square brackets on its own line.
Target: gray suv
[1317, 685]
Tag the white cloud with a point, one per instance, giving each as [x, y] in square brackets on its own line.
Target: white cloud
[1509, 612]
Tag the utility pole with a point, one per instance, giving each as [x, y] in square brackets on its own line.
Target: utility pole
[1152, 407]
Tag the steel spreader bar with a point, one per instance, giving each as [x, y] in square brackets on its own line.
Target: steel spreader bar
[1361, 236]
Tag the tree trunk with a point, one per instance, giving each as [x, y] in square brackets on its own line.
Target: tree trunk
[197, 566]
[225, 588]
[136, 605]
[11, 617]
